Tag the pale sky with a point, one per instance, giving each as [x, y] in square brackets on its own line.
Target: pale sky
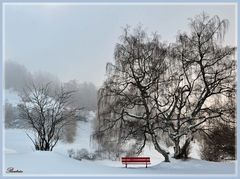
[76, 41]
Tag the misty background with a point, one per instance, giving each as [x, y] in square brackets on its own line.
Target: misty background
[18, 77]
[75, 41]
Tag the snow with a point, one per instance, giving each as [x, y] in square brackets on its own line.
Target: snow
[195, 166]
[43, 163]
[195, 150]
[19, 153]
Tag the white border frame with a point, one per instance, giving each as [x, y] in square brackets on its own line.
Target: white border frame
[4, 4]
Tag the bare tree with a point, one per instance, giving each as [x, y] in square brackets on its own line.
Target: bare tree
[46, 115]
[153, 89]
[206, 75]
[127, 99]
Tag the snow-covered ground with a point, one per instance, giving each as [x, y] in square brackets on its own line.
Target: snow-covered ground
[20, 154]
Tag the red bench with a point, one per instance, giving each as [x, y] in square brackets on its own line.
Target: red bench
[135, 160]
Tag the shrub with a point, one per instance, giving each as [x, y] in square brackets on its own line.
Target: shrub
[81, 154]
[219, 144]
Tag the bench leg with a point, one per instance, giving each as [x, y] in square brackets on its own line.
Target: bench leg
[126, 165]
[146, 165]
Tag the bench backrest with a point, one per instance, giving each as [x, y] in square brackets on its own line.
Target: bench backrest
[135, 159]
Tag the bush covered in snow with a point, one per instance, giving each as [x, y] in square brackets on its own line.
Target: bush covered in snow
[81, 154]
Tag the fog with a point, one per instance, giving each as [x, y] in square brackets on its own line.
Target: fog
[18, 77]
[76, 41]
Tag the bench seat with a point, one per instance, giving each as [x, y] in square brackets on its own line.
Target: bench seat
[135, 160]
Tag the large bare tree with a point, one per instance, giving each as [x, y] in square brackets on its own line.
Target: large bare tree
[153, 89]
[127, 99]
[206, 71]
[46, 115]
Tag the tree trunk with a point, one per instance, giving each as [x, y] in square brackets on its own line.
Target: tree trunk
[177, 149]
[159, 149]
[182, 153]
[43, 146]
